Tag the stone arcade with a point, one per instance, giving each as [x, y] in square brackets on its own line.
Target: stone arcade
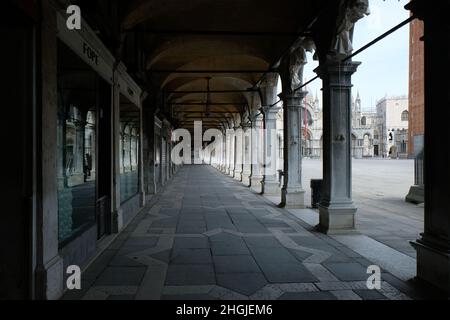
[90, 172]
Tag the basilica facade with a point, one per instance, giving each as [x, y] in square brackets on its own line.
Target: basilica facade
[381, 132]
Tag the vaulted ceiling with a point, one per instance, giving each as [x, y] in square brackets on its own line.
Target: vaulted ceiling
[233, 43]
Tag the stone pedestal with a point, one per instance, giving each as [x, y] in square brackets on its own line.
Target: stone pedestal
[416, 195]
[337, 211]
[292, 193]
[433, 248]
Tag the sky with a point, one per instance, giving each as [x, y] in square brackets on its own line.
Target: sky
[385, 65]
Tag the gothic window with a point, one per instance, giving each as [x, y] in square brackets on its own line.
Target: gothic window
[363, 121]
[405, 115]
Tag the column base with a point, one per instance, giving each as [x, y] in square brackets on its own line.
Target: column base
[271, 188]
[337, 218]
[416, 195]
[246, 180]
[238, 176]
[433, 265]
[256, 184]
[293, 199]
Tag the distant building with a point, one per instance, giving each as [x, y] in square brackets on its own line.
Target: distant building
[363, 129]
[392, 127]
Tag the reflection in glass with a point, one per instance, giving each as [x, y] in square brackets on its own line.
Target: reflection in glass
[76, 174]
[129, 155]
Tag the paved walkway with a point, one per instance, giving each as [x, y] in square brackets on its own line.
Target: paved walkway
[379, 190]
[209, 237]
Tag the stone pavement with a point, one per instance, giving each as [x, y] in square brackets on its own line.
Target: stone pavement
[206, 236]
[379, 190]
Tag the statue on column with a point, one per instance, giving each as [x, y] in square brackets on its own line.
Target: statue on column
[295, 63]
[342, 44]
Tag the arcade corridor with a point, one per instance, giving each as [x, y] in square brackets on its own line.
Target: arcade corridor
[206, 236]
[110, 100]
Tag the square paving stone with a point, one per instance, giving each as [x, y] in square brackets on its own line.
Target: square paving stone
[370, 295]
[243, 283]
[224, 237]
[229, 248]
[121, 276]
[287, 273]
[235, 264]
[308, 296]
[191, 243]
[263, 242]
[251, 227]
[191, 230]
[300, 255]
[148, 242]
[268, 255]
[129, 250]
[123, 261]
[344, 271]
[165, 223]
[190, 275]
[191, 256]
[163, 256]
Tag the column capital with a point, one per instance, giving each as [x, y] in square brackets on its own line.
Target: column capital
[293, 99]
[336, 68]
[270, 109]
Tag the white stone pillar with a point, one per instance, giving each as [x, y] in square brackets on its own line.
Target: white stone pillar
[337, 211]
[239, 155]
[271, 185]
[247, 154]
[257, 151]
[433, 247]
[232, 152]
[293, 195]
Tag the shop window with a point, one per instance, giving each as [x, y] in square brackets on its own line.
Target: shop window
[76, 145]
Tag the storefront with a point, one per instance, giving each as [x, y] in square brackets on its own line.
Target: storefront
[99, 158]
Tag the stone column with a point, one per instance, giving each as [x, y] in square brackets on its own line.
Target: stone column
[271, 185]
[257, 151]
[239, 154]
[226, 167]
[140, 157]
[48, 271]
[433, 247]
[292, 194]
[247, 154]
[117, 214]
[223, 156]
[232, 152]
[337, 211]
